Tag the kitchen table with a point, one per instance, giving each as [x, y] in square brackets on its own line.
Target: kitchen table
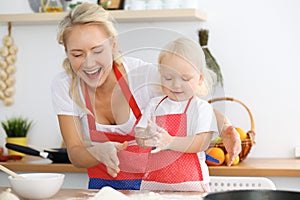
[278, 167]
[81, 194]
[284, 172]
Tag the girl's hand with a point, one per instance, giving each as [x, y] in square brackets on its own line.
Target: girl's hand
[160, 139]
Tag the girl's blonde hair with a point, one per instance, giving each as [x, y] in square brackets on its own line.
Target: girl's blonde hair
[85, 13]
[192, 53]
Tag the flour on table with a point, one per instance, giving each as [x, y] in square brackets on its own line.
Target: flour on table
[108, 193]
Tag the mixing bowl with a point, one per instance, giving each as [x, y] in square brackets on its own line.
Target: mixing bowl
[37, 185]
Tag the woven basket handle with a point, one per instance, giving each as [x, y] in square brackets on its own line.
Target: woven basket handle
[252, 131]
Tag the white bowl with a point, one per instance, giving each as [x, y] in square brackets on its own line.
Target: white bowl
[37, 185]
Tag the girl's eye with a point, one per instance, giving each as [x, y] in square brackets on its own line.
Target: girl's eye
[185, 79]
[168, 78]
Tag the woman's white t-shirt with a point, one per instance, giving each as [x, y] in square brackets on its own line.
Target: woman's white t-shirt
[142, 80]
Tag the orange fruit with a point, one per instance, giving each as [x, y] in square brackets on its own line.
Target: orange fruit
[216, 153]
[242, 133]
[235, 162]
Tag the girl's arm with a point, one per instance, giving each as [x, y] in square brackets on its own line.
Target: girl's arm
[189, 144]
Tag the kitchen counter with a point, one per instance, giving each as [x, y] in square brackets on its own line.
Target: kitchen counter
[277, 167]
[83, 194]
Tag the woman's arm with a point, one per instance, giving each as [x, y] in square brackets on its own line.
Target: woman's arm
[86, 157]
[229, 135]
[71, 131]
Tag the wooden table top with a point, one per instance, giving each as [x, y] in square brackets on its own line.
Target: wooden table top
[278, 167]
[83, 194]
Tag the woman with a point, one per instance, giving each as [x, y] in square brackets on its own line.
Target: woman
[100, 98]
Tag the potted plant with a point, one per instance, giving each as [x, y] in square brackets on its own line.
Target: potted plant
[16, 129]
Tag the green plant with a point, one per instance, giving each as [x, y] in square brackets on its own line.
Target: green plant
[210, 60]
[16, 126]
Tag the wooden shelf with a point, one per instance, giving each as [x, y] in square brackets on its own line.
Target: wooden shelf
[118, 15]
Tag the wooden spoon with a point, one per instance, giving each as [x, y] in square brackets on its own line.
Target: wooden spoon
[8, 171]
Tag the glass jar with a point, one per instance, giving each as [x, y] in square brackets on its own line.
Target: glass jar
[53, 6]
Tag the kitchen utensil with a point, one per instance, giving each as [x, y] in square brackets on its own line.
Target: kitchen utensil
[253, 195]
[58, 156]
[37, 185]
[8, 171]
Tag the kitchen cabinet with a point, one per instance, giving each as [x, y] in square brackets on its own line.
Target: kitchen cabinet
[118, 15]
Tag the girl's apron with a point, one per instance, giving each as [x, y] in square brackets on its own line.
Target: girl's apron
[172, 170]
[133, 159]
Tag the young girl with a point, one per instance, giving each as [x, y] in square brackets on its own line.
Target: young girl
[183, 124]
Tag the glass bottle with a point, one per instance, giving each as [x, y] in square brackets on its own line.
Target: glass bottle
[53, 6]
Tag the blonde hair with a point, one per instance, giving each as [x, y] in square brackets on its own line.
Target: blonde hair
[192, 53]
[85, 13]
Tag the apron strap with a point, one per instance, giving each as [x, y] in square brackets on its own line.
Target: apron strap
[127, 93]
[91, 119]
[188, 104]
[186, 107]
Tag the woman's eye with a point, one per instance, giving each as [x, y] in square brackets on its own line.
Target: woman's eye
[97, 51]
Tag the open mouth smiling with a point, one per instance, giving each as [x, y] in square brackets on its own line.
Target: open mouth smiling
[92, 73]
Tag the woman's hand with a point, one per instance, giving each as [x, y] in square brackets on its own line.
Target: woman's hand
[229, 135]
[232, 142]
[106, 153]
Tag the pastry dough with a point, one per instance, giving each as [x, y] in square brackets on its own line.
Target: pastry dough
[108, 193]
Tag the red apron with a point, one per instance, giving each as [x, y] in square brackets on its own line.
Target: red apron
[171, 167]
[133, 160]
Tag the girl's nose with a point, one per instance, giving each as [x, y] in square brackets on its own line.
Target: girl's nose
[176, 83]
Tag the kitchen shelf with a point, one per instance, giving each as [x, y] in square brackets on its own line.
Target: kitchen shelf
[118, 15]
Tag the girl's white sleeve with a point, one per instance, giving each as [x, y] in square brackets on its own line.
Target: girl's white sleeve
[202, 119]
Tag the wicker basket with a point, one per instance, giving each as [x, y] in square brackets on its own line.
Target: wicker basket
[249, 141]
